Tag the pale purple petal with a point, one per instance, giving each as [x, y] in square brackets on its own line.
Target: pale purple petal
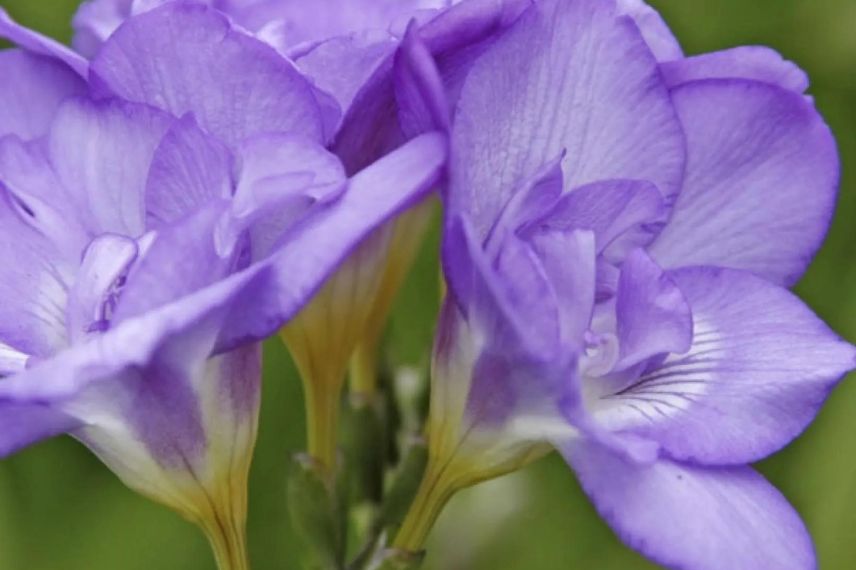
[189, 169]
[652, 314]
[24, 424]
[747, 62]
[654, 29]
[342, 65]
[182, 259]
[483, 296]
[33, 88]
[158, 399]
[187, 58]
[102, 152]
[569, 258]
[419, 90]
[12, 360]
[759, 368]
[509, 390]
[281, 178]
[257, 301]
[36, 277]
[569, 76]
[36, 43]
[623, 214]
[469, 23]
[528, 210]
[761, 180]
[693, 518]
[523, 280]
[27, 174]
[95, 20]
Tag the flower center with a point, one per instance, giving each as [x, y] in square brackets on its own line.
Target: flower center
[103, 273]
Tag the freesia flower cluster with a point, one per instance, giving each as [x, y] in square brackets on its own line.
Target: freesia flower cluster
[620, 224]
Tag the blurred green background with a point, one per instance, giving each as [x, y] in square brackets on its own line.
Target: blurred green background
[61, 510]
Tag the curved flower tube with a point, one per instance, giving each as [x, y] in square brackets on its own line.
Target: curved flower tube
[160, 222]
[621, 227]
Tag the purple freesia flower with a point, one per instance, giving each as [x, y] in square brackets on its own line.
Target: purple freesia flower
[348, 51]
[621, 225]
[165, 206]
[355, 66]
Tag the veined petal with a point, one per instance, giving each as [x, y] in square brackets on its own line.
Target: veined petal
[569, 260]
[623, 214]
[470, 23]
[281, 178]
[182, 259]
[530, 206]
[35, 283]
[40, 196]
[419, 90]
[342, 65]
[102, 152]
[759, 368]
[689, 517]
[36, 43]
[181, 435]
[652, 315]
[185, 57]
[761, 180]
[654, 29]
[746, 62]
[572, 76]
[189, 169]
[32, 92]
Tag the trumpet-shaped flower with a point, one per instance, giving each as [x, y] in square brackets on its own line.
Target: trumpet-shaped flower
[622, 223]
[161, 214]
[347, 49]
